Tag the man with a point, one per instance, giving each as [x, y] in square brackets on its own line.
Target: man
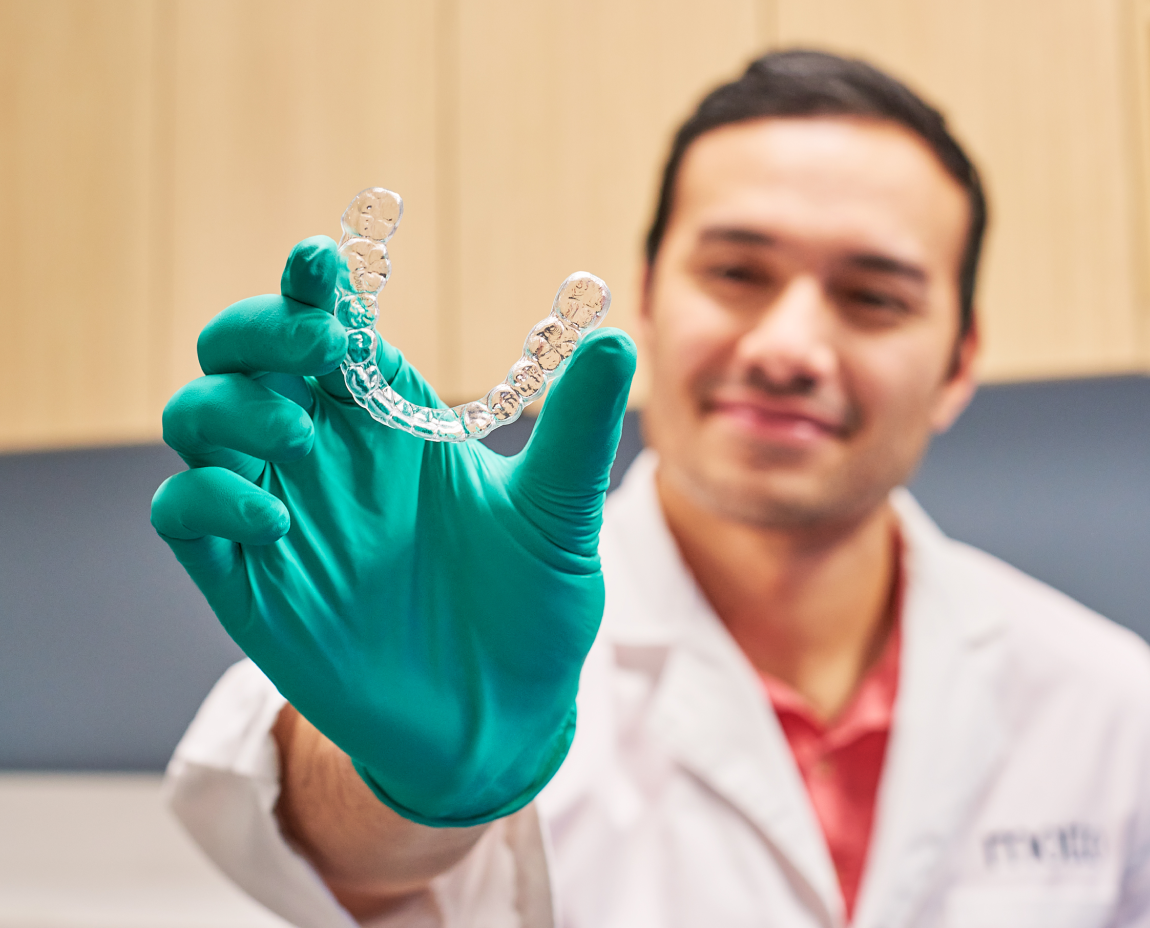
[805, 706]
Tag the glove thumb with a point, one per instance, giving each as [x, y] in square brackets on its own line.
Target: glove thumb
[565, 470]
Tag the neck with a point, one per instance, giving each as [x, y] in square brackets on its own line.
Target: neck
[813, 609]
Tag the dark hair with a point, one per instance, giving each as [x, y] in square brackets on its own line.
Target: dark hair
[801, 83]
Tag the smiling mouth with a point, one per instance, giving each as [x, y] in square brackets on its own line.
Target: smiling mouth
[776, 422]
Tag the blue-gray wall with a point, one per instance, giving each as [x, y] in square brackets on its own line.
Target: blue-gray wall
[106, 648]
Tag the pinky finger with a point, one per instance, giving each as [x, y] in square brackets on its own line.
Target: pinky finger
[215, 501]
[202, 513]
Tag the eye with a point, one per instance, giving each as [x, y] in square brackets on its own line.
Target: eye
[873, 305]
[877, 299]
[739, 273]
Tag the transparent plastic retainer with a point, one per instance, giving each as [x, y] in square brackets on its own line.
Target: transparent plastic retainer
[369, 221]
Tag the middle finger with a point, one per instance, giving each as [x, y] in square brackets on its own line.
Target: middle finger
[229, 420]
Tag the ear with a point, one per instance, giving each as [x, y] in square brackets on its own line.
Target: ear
[646, 300]
[959, 388]
[645, 282]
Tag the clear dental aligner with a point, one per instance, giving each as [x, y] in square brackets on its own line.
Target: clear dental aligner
[368, 222]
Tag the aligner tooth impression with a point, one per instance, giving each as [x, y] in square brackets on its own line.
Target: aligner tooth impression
[580, 304]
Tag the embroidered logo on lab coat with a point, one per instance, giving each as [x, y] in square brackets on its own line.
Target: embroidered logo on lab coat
[1071, 843]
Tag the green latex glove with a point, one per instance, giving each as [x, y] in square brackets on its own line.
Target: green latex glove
[427, 606]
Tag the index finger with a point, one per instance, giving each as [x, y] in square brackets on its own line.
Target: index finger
[293, 333]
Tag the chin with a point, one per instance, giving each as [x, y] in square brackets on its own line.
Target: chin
[778, 494]
[770, 485]
[772, 498]
[770, 508]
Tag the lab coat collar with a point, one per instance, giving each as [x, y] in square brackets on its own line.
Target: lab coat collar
[710, 713]
[708, 709]
[662, 600]
[949, 735]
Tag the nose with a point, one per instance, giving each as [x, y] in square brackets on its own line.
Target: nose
[790, 344]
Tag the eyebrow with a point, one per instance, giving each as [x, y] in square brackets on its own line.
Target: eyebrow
[737, 236]
[864, 261]
[887, 265]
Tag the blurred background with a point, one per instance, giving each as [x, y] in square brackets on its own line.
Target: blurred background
[158, 159]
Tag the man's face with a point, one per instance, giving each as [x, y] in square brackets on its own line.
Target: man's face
[802, 317]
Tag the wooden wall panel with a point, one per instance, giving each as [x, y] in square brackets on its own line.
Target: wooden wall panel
[1040, 91]
[284, 110]
[76, 328]
[183, 146]
[566, 110]
[189, 145]
[1137, 77]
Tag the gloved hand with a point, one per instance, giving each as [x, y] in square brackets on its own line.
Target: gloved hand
[427, 606]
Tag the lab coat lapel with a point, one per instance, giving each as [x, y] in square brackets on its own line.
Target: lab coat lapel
[714, 719]
[709, 710]
[949, 735]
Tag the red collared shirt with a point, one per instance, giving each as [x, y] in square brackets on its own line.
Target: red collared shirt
[841, 760]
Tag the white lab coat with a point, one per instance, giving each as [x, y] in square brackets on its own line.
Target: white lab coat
[1015, 793]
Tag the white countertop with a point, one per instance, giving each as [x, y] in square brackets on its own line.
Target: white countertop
[102, 851]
